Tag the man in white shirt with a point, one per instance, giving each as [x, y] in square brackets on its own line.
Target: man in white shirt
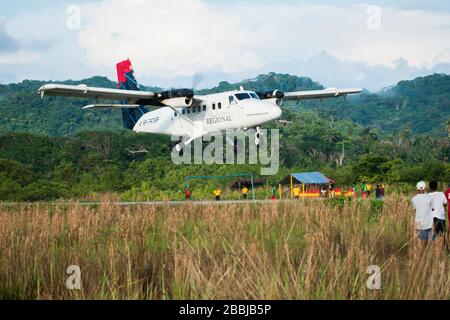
[440, 201]
[424, 205]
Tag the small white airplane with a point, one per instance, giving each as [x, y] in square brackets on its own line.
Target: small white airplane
[182, 113]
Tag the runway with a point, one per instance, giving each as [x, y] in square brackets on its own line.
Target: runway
[181, 203]
[162, 203]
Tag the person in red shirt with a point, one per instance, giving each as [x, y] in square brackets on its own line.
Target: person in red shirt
[187, 193]
[447, 196]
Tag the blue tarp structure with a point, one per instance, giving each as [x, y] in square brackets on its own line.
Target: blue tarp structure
[308, 178]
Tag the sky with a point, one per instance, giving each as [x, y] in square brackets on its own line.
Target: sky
[199, 43]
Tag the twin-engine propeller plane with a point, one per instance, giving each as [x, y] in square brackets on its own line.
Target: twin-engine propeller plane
[180, 112]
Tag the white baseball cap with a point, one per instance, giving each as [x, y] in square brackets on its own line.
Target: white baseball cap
[421, 185]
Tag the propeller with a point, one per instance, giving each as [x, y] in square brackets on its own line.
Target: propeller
[196, 80]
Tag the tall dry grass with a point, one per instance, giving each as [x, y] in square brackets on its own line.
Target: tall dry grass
[287, 250]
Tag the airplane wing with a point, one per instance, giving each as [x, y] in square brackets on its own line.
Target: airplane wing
[173, 98]
[111, 106]
[83, 91]
[319, 94]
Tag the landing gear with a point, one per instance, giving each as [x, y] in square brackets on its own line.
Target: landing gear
[257, 134]
[179, 147]
[181, 144]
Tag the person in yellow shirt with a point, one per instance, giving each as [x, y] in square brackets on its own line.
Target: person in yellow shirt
[369, 188]
[245, 192]
[217, 192]
[296, 192]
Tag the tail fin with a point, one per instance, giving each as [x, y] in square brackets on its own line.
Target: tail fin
[127, 81]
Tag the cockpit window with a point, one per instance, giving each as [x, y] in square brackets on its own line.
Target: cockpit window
[254, 95]
[243, 96]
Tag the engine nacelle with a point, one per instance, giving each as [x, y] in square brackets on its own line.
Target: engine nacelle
[271, 94]
[176, 97]
[276, 101]
[178, 102]
[176, 93]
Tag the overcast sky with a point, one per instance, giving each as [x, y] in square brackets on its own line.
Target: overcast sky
[338, 43]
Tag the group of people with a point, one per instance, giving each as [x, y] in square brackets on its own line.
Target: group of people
[324, 191]
[217, 192]
[430, 210]
[367, 190]
[328, 191]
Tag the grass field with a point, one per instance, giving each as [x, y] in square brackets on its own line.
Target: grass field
[287, 250]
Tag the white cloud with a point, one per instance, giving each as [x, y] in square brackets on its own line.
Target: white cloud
[167, 36]
[443, 57]
[168, 39]
[164, 34]
[18, 57]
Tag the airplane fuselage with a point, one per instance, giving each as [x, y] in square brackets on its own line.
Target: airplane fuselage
[234, 110]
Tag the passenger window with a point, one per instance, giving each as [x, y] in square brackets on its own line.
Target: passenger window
[175, 113]
[199, 109]
[214, 106]
[204, 108]
[219, 105]
[184, 111]
[188, 110]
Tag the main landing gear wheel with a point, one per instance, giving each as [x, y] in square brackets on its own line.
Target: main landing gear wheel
[179, 147]
[258, 132]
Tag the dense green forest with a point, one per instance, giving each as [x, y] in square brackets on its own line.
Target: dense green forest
[52, 149]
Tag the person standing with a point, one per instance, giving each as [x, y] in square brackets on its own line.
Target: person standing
[440, 201]
[364, 189]
[187, 193]
[245, 192]
[378, 194]
[217, 193]
[369, 188]
[423, 204]
[274, 192]
[447, 196]
[331, 190]
[296, 192]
